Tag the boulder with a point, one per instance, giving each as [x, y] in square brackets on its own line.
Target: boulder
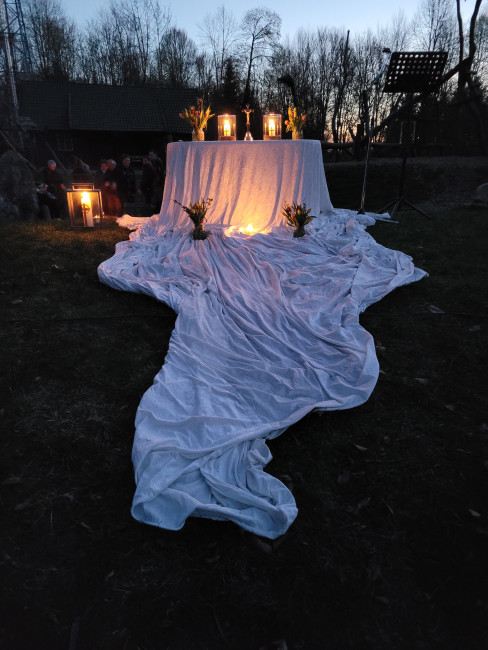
[18, 197]
[481, 194]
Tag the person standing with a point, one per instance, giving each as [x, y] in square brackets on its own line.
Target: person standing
[99, 182]
[112, 204]
[126, 181]
[159, 178]
[54, 184]
[99, 178]
[146, 186]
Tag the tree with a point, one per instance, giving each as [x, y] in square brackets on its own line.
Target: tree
[231, 91]
[467, 84]
[260, 30]
[435, 25]
[480, 60]
[53, 39]
[119, 44]
[203, 74]
[220, 32]
[176, 56]
[343, 77]
[327, 54]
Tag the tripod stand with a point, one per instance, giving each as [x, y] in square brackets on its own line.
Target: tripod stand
[411, 72]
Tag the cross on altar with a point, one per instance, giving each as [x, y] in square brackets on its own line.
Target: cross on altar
[247, 111]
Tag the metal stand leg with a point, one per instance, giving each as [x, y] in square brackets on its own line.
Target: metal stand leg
[400, 199]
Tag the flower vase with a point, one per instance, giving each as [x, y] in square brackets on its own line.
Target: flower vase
[198, 135]
[199, 230]
[297, 134]
[299, 231]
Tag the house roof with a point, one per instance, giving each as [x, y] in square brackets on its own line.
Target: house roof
[62, 106]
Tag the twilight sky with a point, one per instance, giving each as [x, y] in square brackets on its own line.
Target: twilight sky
[356, 15]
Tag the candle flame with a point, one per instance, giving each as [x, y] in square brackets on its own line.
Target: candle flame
[226, 128]
[85, 199]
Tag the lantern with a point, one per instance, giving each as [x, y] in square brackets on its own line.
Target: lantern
[84, 206]
[272, 126]
[227, 127]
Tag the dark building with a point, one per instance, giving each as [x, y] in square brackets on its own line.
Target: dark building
[92, 122]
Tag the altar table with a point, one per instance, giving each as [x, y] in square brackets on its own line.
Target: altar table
[248, 181]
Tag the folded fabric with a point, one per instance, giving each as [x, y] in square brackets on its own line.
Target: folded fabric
[267, 330]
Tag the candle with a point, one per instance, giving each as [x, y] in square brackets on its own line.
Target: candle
[226, 129]
[272, 128]
[86, 209]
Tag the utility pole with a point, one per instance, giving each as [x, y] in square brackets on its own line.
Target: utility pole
[15, 61]
[12, 22]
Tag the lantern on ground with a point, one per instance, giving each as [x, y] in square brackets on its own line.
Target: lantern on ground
[272, 126]
[84, 206]
[227, 127]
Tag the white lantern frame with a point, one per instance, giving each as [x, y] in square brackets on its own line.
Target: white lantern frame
[85, 206]
[226, 127]
[272, 126]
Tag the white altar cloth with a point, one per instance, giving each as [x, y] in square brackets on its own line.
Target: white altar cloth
[249, 181]
[267, 330]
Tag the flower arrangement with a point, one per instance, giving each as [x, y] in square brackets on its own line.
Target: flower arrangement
[197, 213]
[296, 120]
[197, 116]
[297, 216]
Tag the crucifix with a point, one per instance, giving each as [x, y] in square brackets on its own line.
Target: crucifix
[247, 111]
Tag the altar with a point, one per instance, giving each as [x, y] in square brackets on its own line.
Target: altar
[248, 181]
[267, 328]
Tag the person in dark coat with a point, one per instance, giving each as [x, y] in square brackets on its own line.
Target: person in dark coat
[126, 181]
[111, 201]
[54, 185]
[99, 178]
[146, 186]
[159, 179]
[99, 182]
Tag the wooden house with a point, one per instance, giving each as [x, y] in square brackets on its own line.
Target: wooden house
[61, 120]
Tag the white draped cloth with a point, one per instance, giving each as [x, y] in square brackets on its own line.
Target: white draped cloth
[267, 328]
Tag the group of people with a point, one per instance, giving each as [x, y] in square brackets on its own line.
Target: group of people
[117, 183]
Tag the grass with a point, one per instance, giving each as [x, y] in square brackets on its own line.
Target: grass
[389, 547]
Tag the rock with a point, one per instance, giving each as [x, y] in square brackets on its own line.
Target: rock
[18, 198]
[481, 194]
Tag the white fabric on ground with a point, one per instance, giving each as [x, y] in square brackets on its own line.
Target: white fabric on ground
[267, 330]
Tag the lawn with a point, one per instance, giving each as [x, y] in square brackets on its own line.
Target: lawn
[389, 550]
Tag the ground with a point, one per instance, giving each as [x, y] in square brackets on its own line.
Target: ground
[389, 549]
[436, 182]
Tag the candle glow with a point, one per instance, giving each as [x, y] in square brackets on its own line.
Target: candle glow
[227, 127]
[272, 128]
[86, 208]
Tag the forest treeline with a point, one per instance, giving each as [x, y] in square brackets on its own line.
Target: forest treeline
[240, 60]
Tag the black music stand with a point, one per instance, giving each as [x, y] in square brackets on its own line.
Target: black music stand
[412, 72]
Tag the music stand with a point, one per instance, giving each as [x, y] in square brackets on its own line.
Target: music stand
[412, 72]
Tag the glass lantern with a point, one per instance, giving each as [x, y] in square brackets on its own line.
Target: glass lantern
[84, 206]
[227, 127]
[272, 126]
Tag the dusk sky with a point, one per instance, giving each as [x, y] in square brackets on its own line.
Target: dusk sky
[356, 15]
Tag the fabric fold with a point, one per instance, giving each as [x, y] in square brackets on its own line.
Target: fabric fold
[267, 330]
